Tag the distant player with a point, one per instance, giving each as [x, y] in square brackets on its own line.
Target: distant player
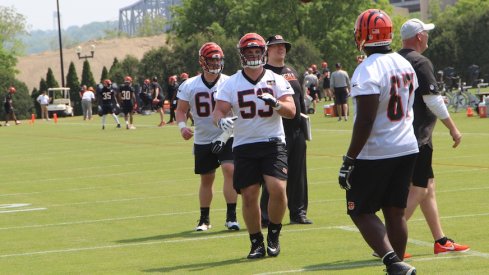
[8, 106]
[128, 101]
[379, 163]
[158, 99]
[259, 98]
[212, 146]
[107, 102]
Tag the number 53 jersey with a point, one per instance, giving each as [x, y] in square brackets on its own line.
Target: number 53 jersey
[257, 120]
[393, 78]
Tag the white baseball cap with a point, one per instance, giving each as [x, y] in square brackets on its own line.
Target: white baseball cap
[413, 27]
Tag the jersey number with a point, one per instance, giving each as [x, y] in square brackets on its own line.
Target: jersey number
[204, 104]
[248, 107]
[126, 95]
[399, 84]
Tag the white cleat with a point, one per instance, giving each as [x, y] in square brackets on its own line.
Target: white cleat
[232, 225]
[203, 227]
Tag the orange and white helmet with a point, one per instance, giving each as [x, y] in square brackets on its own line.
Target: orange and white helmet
[252, 40]
[12, 89]
[211, 58]
[128, 79]
[107, 83]
[373, 28]
[184, 75]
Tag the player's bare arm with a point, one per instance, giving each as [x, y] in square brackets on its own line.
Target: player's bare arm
[181, 117]
[366, 112]
[288, 107]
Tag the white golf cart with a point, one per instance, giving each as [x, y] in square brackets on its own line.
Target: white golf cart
[60, 102]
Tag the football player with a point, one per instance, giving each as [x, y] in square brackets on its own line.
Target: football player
[127, 98]
[259, 98]
[8, 105]
[158, 99]
[212, 146]
[379, 162]
[107, 102]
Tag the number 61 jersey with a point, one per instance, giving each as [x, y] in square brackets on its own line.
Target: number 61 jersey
[200, 96]
[393, 78]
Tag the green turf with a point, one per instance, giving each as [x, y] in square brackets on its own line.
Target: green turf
[125, 202]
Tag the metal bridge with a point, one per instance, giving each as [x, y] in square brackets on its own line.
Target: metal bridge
[132, 17]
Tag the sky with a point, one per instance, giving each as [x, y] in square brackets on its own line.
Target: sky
[39, 13]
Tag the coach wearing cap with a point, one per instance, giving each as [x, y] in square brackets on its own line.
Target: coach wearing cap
[297, 196]
[428, 106]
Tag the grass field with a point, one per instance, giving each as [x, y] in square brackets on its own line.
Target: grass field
[78, 200]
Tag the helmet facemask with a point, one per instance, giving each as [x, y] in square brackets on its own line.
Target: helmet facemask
[253, 60]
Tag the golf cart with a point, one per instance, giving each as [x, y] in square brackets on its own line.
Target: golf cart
[60, 102]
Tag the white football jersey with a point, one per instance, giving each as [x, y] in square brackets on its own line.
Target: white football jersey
[393, 78]
[201, 100]
[257, 122]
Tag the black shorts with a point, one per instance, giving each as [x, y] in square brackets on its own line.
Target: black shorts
[376, 184]
[326, 83]
[8, 109]
[127, 108]
[206, 162]
[107, 109]
[341, 95]
[252, 161]
[423, 171]
[159, 104]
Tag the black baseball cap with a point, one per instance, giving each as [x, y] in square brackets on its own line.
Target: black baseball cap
[278, 39]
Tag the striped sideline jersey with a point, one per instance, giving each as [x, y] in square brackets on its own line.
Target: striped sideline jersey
[393, 78]
[200, 95]
[257, 121]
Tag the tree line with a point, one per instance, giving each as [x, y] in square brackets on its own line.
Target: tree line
[318, 30]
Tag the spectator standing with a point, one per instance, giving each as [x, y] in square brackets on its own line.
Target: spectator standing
[379, 163]
[107, 102]
[172, 97]
[311, 85]
[297, 195]
[8, 106]
[87, 99]
[259, 98]
[340, 81]
[428, 106]
[43, 100]
[127, 97]
[158, 99]
[212, 146]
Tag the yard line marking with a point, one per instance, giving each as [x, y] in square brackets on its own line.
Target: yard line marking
[22, 210]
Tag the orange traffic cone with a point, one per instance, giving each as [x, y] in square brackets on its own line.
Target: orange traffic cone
[55, 117]
[33, 119]
[470, 112]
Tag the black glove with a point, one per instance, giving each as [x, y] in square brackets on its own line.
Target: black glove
[345, 172]
[270, 99]
[219, 142]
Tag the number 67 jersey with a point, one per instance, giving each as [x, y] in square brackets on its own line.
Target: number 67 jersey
[393, 78]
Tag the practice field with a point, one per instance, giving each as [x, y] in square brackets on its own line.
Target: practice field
[75, 199]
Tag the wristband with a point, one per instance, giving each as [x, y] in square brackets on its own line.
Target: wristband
[182, 125]
[278, 107]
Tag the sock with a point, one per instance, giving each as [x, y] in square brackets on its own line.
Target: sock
[103, 120]
[127, 122]
[231, 212]
[274, 230]
[116, 119]
[256, 238]
[442, 241]
[390, 258]
[204, 214]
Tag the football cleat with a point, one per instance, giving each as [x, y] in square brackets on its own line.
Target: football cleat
[118, 126]
[161, 124]
[450, 246]
[400, 268]
[232, 225]
[203, 226]
[273, 247]
[257, 251]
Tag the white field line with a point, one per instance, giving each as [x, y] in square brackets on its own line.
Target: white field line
[22, 210]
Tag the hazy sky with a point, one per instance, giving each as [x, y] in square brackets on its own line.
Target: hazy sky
[39, 13]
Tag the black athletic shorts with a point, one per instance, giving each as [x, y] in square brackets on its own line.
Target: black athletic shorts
[341, 95]
[376, 184]
[423, 171]
[252, 161]
[127, 108]
[107, 109]
[206, 161]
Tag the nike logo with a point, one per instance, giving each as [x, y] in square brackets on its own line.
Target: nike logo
[354, 85]
[272, 249]
[450, 247]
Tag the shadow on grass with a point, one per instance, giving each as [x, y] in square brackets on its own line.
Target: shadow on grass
[199, 267]
[345, 265]
[185, 234]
